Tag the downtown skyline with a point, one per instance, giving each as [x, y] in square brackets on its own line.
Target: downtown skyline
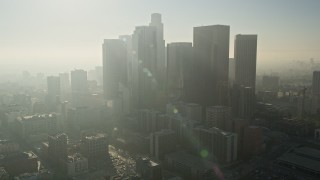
[71, 31]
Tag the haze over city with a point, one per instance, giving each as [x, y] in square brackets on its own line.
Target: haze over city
[159, 90]
[37, 35]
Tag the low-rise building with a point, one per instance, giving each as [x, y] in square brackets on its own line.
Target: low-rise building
[76, 165]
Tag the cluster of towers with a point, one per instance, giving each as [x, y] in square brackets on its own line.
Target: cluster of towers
[143, 72]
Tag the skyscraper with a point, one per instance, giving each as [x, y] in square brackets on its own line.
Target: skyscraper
[156, 21]
[246, 105]
[79, 87]
[53, 84]
[179, 59]
[53, 96]
[245, 54]
[211, 53]
[114, 66]
[144, 66]
[316, 83]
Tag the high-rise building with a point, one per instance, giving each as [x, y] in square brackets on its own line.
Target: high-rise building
[114, 66]
[53, 83]
[179, 59]
[316, 83]
[64, 83]
[232, 71]
[220, 117]
[162, 143]
[217, 144]
[246, 106]
[53, 96]
[79, 81]
[79, 87]
[145, 81]
[156, 21]
[211, 52]
[245, 55]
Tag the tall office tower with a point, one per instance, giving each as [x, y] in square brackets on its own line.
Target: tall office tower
[53, 83]
[232, 71]
[79, 87]
[114, 66]
[179, 59]
[145, 81]
[211, 52]
[246, 104]
[64, 82]
[53, 96]
[156, 21]
[220, 117]
[220, 145]
[316, 83]
[245, 54]
[162, 143]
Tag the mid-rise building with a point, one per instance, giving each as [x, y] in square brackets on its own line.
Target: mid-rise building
[57, 149]
[220, 117]
[162, 142]
[36, 127]
[193, 112]
[76, 164]
[7, 147]
[217, 144]
[148, 169]
[95, 147]
[316, 83]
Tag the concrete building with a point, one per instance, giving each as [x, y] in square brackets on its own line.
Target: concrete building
[189, 166]
[114, 66]
[19, 163]
[57, 149]
[217, 144]
[162, 142]
[53, 93]
[150, 121]
[36, 127]
[316, 83]
[193, 112]
[232, 71]
[179, 69]
[95, 147]
[148, 169]
[220, 117]
[246, 106]
[245, 55]
[7, 147]
[79, 87]
[65, 87]
[211, 52]
[76, 164]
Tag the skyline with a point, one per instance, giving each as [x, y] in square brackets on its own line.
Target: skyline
[72, 31]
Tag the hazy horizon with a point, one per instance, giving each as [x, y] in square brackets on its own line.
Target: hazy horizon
[54, 36]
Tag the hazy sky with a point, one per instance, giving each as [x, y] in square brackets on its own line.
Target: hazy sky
[57, 35]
